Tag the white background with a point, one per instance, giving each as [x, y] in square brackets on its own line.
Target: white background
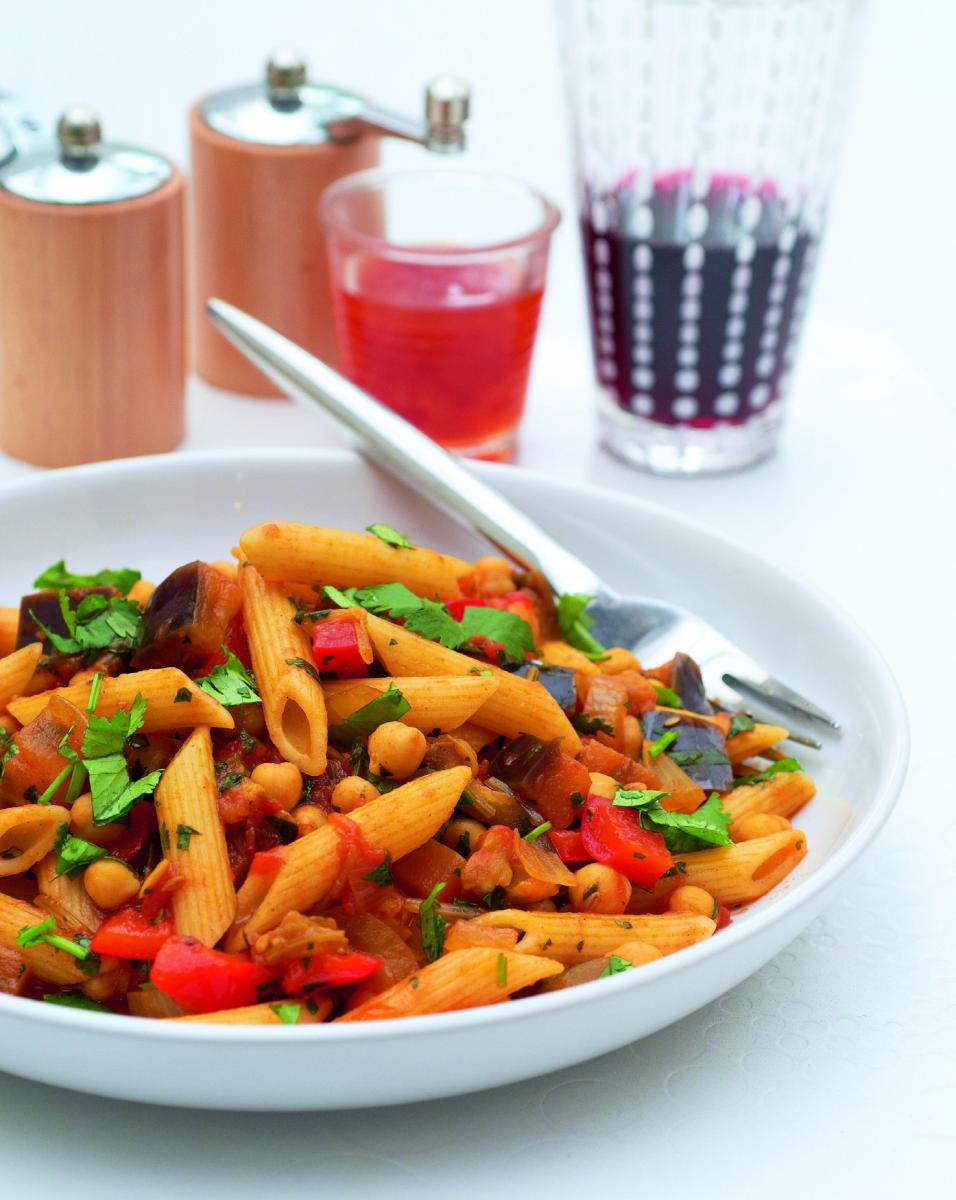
[833, 1069]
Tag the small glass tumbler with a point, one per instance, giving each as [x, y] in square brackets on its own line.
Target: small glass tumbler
[706, 136]
[437, 278]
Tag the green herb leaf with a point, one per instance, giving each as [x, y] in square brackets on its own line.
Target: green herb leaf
[108, 735]
[60, 578]
[502, 970]
[636, 797]
[585, 723]
[740, 722]
[615, 965]
[432, 925]
[668, 697]
[390, 706]
[183, 696]
[434, 622]
[288, 1014]
[184, 834]
[682, 832]
[382, 874]
[656, 749]
[112, 793]
[782, 767]
[75, 1000]
[387, 534]
[230, 683]
[74, 854]
[43, 932]
[575, 624]
[97, 624]
[693, 758]
[537, 831]
[304, 666]
[497, 625]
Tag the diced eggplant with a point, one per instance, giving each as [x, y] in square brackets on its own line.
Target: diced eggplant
[686, 681]
[559, 681]
[46, 606]
[700, 750]
[187, 617]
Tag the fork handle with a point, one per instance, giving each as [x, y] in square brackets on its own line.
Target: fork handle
[390, 441]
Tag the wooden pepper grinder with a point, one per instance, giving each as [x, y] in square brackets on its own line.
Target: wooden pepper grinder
[261, 157]
[92, 361]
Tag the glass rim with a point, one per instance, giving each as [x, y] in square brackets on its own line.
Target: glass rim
[366, 181]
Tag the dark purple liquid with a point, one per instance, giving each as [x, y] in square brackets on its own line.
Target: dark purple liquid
[694, 332]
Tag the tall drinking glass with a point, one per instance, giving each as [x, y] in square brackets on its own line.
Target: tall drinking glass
[706, 135]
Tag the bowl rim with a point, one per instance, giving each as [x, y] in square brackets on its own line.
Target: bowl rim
[822, 879]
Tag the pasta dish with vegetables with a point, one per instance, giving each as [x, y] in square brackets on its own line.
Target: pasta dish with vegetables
[341, 777]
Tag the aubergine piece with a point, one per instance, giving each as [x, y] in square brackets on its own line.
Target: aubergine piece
[46, 606]
[187, 617]
[701, 749]
[558, 681]
[686, 681]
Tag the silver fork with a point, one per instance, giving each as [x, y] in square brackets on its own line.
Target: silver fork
[653, 629]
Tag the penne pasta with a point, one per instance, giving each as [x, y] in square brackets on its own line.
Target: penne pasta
[16, 671]
[576, 937]
[267, 1014]
[66, 898]
[27, 834]
[461, 979]
[752, 742]
[516, 706]
[194, 843]
[283, 550]
[438, 702]
[783, 795]
[292, 698]
[9, 627]
[397, 823]
[745, 872]
[48, 962]
[159, 688]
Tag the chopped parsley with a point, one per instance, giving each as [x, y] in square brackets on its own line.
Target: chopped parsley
[682, 832]
[615, 965]
[784, 766]
[184, 834]
[389, 535]
[58, 578]
[656, 749]
[496, 898]
[74, 854]
[592, 890]
[432, 924]
[390, 706]
[382, 874]
[75, 1000]
[695, 758]
[537, 831]
[576, 625]
[230, 683]
[303, 666]
[44, 933]
[183, 696]
[288, 1014]
[636, 797]
[501, 970]
[585, 723]
[740, 722]
[668, 697]
[97, 624]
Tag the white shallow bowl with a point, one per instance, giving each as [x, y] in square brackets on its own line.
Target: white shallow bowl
[158, 513]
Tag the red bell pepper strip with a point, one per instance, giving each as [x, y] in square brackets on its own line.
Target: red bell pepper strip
[266, 862]
[328, 970]
[337, 650]
[569, 845]
[142, 823]
[613, 835]
[205, 980]
[128, 934]
[723, 916]
[457, 607]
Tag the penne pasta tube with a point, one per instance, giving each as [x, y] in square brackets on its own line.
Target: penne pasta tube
[266, 1014]
[747, 871]
[67, 899]
[461, 979]
[397, 823]
[516, 706]
[159, 688]
[782, 795]
[438, 702]
[49, 962]
[9, 627]
[27, 834]
[194, 843]
[282, 550]
[292, 700]
[576, 937]
[754, 741]
[16, 671]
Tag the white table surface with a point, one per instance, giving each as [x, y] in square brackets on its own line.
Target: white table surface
[833, 1068]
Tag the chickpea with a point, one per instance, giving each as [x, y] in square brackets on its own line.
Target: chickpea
[81, 823]
[493, 576]
[352, 792]
[108, 983]
[110, 884]
[637, 953]
[543, 906]
[603, 785]
[758, 825]
[281, 781]
[396, 750]
[633, 737]
[308, 817]
[599, 889]
[463, 835]
[690, 899]
[617, 659]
